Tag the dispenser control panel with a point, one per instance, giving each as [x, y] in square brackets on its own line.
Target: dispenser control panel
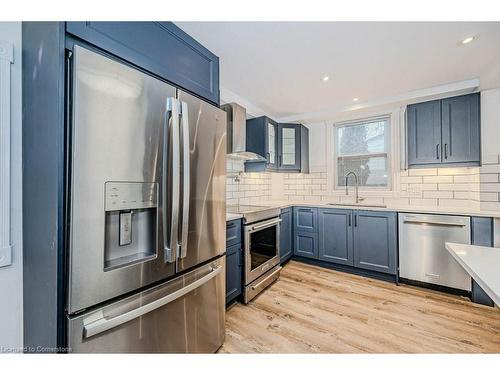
[130, 195]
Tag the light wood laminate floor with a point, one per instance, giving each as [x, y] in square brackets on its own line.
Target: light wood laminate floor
[316, 310]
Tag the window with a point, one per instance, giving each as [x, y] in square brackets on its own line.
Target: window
[362, 147]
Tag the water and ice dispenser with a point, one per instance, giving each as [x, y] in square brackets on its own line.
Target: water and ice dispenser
[131, 223]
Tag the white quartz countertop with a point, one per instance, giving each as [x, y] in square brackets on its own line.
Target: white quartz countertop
[230, 217]
[483, 265]
[413, 209]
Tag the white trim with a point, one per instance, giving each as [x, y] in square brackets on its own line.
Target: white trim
[396, 121]
[6, 59]
[387, 153]
[435, 92]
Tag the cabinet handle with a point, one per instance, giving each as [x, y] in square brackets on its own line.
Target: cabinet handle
[437, 152]
[350, 219]
[446, 151]
[355, 220]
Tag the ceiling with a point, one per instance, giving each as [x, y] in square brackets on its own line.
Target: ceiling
[279, 66]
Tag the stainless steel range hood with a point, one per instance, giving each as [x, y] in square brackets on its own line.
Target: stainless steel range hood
[236, 133]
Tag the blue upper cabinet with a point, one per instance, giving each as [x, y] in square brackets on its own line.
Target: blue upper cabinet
[262, 138]
[424, 133]
[159, 47]
[460, 129]
[444, 132]
[285, 146]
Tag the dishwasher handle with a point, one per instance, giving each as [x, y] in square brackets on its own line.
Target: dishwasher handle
[432, 221]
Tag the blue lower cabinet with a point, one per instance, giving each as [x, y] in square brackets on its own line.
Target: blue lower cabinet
[286, 235]
[233, 232]
[335, 236]
[375, 240]
[233, 272]
[305, 244]
[305, 219]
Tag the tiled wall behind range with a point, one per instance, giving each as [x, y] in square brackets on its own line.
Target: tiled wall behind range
[245, 188]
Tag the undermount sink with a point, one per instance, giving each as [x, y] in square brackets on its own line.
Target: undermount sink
[358, 205]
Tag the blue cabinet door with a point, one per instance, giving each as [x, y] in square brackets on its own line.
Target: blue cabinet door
[375, 241]
[233, 232]
[233, 272]
[460, 129]
[305, 244]
[289, 143]
[262, 138]
[424, 133]
[286, 235]
[335, 236]
[159, 47]
[305, 219]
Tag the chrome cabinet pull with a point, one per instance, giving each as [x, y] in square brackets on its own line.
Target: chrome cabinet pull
[104, 324]
[437, 152]
[171, 130]
[446, 151]
[186, 174]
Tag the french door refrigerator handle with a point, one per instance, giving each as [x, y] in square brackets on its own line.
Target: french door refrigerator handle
[171, 248]
[186, 173]
[104, 324]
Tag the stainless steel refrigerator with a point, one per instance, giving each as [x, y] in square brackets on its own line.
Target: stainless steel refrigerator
[146, 269]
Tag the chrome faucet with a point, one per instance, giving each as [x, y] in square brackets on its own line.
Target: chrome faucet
[356, 187]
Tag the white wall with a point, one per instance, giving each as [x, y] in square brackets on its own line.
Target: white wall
[11, 277]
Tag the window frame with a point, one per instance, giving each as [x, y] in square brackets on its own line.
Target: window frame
[388, 152]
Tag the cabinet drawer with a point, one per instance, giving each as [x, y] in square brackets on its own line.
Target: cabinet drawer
[305, 219]
[159, 47]
[233, 232]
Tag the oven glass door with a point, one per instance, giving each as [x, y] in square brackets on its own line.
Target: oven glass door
[263, 246]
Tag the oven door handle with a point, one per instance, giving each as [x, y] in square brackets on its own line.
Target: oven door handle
[266, 224]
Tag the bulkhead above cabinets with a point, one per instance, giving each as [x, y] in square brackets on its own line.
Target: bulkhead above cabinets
[284, 146]
[444, 133]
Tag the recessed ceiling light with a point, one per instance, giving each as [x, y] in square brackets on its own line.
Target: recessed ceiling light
[468, 40]
[325, 78]
[355, 99]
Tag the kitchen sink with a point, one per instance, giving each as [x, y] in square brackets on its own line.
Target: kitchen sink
[358, 205]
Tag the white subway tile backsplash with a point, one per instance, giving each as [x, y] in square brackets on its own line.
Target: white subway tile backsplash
[491, 168]
[438, 194]
[411, 179]
[488, 177]
[423, 202]
[458, 187]
[423, 172]
[438, 179]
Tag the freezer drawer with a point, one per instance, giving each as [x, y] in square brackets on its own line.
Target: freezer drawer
[184, 315]
[422, 253]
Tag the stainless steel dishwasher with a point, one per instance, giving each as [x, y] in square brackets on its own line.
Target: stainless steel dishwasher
[422, 253]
